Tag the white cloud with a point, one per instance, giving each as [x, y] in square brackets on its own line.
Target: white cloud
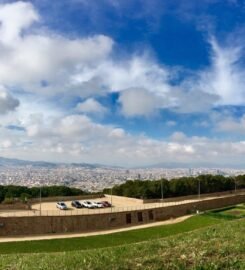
[231, 125]
[64, 128]
[6, 144]
[226, 77]
[117, 133]
[7, 102]
[47, 64]
[92, 142]
[30, 58]
[49, 58]
[178, 136]
[193, 100]
[14, 18]
[137, 102]
[91, 106]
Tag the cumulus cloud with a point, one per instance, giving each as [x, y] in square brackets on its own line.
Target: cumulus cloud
[30, 58]
[193, 101]
[91, 106]
[7, 102]
[231, 125]
[137, 102]
[117, 133]
[48, 64]
[14, 18]
[78, 137]
[45, 65]
[64, 128]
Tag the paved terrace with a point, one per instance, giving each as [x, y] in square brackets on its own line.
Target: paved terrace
[120, 204]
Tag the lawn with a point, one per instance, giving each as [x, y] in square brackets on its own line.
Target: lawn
[219, 246]
[231, 212]
[115, 239]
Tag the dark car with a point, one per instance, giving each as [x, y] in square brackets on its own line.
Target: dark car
[76, 204]
[106, 204]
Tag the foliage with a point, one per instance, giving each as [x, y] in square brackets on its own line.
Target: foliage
[177, 187]
[10, 192]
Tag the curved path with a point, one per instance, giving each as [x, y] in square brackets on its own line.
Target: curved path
[73, 235]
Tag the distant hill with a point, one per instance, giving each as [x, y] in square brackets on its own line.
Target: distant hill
[12, 162]
[174, 165]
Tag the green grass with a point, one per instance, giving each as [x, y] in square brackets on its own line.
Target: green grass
[215, 247]
[231, 212]
[115, 239]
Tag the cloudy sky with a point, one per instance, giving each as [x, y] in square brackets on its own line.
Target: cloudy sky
[123, 82]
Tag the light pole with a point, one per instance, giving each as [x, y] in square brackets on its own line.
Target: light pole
[199, 189]
[162, 188]
[111, 199]
[235, 183]
[40, 200]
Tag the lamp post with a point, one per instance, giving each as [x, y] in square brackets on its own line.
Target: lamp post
[162, 188]
[199, 189]
[235, 183]
[40, 200]
[111, 199]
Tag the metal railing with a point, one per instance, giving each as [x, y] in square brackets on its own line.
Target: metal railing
[86, 211]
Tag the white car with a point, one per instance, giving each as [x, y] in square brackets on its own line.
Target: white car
[88, 204]
[98, 204]
[61, 206]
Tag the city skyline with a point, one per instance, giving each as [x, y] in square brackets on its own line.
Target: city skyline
[125, 83]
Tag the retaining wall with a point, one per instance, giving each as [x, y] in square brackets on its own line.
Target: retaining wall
[193, 197]
[17, 226]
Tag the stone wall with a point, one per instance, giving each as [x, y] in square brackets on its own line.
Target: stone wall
[193, 197]
[17, 226]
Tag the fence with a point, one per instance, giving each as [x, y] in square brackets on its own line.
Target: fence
[190, 197]
[114, 209]
[66, 198]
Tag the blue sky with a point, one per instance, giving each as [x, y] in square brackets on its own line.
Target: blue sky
[141, 81]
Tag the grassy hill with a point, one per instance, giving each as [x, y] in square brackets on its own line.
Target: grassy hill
[219, 244]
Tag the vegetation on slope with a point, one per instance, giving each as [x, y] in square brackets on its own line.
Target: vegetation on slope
[177, 187]
[139, 189]
[10, 192]
[217, 247]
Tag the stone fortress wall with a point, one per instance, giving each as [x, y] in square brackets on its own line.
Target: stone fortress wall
[34, 225]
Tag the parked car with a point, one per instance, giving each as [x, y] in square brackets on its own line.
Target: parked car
[88, 204]
[76, 204]
[98, 204]
[106, 204]
[61, 205]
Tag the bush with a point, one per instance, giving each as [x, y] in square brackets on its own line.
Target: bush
[8, 201]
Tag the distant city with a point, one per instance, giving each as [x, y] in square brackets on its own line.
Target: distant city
[91, 177]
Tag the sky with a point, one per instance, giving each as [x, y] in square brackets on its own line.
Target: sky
[123, 82]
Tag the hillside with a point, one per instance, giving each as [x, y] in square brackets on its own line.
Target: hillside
[13, 162]
[220, 246]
